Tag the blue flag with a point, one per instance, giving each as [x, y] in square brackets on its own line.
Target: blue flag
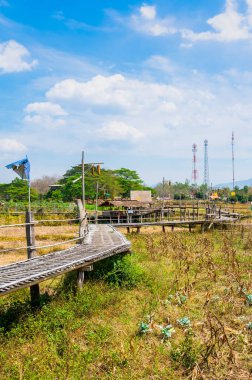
[21, 167]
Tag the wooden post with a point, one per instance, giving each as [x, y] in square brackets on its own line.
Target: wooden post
[83, 180]
[31, 252]
[96, 202]
[82, 232]
[80, 278]
[30, 235]
[163, 228]
[81, 275]
[128, 230]
[138, 230]
[172, 227]
[83, 221]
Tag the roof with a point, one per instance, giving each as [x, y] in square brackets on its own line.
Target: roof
[124, 203]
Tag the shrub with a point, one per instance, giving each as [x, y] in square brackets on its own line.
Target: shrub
[119, 271]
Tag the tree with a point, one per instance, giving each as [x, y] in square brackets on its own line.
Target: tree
[111, 183]
[129, 180]
[17, 190]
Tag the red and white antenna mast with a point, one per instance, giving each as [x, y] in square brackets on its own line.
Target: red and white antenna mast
[194, 169]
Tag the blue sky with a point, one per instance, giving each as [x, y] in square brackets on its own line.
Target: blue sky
[134, 84]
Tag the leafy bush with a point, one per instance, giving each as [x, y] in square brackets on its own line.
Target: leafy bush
[119, 271]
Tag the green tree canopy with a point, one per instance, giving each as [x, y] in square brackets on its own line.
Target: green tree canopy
[129, 180]
[17, 191]
[111, 183]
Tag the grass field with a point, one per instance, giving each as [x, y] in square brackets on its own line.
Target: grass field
[178, 307]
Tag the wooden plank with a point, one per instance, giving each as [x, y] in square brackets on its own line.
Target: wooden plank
[101, 242]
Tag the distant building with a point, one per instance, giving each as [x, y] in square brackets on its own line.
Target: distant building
[140, 195]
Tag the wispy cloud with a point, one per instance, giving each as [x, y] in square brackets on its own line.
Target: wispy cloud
[8, 145]
[119, 131]
[14, 57]
[74, 24]
[145, 20]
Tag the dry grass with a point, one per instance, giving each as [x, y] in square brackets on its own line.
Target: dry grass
[45, 235]
[95, 333]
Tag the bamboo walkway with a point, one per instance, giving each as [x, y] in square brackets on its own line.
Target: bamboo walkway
[101, 242]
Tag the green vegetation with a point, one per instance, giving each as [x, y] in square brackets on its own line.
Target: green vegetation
[182, 191]
[111, 184]
[16, 191]
[177, 308]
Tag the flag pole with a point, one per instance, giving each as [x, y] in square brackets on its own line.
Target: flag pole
[83, 180]
[29, 195]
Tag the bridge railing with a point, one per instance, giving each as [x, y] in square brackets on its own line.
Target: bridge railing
[192, 213]
[31, 246]
[30, 224]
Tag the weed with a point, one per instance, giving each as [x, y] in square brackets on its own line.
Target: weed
[187, 353]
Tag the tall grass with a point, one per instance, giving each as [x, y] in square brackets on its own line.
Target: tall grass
[177, 308]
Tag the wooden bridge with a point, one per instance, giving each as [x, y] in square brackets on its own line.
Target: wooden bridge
[101, 242]
[96, 242]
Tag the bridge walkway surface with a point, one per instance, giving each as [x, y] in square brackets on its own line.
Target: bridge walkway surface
[101, 242]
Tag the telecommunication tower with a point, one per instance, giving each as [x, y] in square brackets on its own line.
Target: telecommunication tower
[206, 167]
[194, 170]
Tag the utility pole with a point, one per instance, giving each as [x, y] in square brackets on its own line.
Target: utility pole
[233, 168]
[96, 203]
[163, 192]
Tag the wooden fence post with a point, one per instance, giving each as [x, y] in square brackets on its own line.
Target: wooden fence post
[31, 252]
[83, 220]
[82, 232]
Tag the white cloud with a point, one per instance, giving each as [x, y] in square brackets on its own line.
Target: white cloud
[115, 91]
[147, 22]
[118, 130]
[44, 115]
[11, 146]
[45, 108]
[13, 58]
[227, 26]
[148, 11]
[44, 121]
[161, 63]
[162, 119]
[99, 90]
